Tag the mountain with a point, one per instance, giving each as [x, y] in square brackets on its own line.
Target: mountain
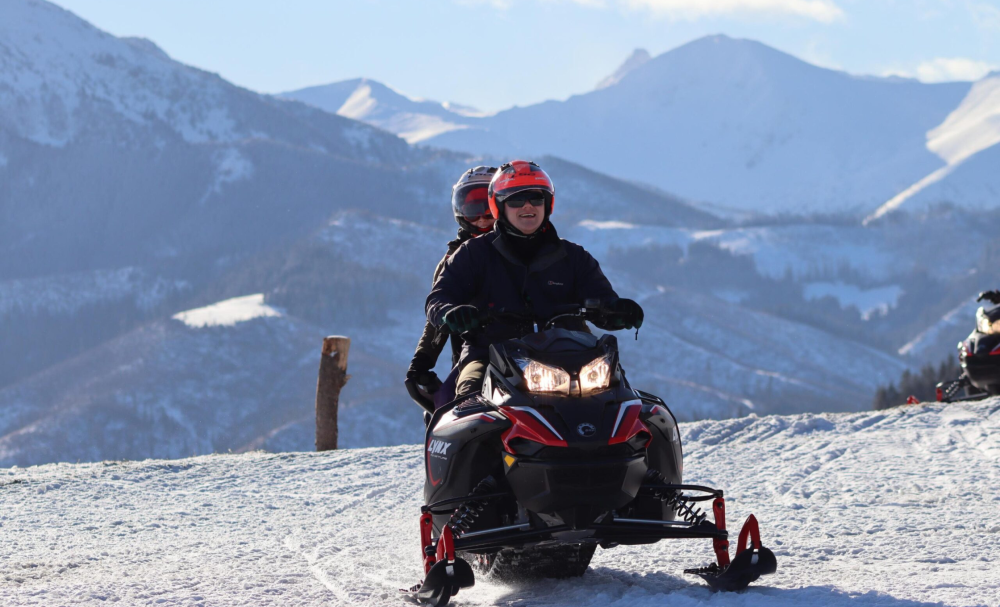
[237, 375]
[240, 373]
[117, 156]
[377, 104]
[739, 125]
[968, 141]
[638, 57]
[877, 509]
[128, 205]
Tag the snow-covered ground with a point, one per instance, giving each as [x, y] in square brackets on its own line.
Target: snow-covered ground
[894, 508]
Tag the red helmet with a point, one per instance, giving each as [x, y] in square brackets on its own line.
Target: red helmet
[469, 197]
[520, 176]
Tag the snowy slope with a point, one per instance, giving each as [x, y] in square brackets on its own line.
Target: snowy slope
[738, 124]
[943, 335]
[115, 155]
[878, 252]
[893, 508]
[66, 294]
[712, 359]
[969, 143]
[375, 103]
[235, 375]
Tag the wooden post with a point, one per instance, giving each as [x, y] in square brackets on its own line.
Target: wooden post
[332, 377]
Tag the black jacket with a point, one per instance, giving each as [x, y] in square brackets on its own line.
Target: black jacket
[485, 272]
[432, 340]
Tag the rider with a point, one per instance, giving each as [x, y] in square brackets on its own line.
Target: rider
[522, 267]
[472, 212]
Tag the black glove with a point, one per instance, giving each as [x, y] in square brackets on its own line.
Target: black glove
[461, 319]
[625, 314]
[991, 296]
[428, 380]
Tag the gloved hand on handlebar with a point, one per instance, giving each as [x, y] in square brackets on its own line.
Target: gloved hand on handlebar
[461, 319]
[625, 314]
[990, 296]
[428, 380]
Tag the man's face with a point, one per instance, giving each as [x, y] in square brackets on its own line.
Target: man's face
[529, 217]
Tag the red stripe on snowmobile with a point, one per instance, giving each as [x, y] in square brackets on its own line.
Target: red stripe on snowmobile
[430, 473]
[426, 527]
[629, 426]
[524, 425]
[720, 546]
[995, 351]
[750, 531]
[446, 545]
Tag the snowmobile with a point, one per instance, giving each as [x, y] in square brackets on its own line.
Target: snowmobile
[556, 456]
[979, 357]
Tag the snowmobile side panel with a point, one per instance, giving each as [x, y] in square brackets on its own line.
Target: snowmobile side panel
[462, 448]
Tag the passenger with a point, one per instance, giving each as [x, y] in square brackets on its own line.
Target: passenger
[523, 267]
[472, 212]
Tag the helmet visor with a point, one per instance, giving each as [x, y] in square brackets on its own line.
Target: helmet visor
[471, 203]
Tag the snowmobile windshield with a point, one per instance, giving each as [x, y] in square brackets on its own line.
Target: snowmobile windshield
[471, 202]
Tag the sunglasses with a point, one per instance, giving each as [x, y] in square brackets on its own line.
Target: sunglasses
[520, 202]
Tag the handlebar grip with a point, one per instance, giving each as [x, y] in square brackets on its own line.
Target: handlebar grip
[418, 397]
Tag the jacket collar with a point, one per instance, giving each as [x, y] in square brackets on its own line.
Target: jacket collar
[548, 254]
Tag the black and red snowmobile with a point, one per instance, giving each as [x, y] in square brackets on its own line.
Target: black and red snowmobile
[979, 357]
[556, 456]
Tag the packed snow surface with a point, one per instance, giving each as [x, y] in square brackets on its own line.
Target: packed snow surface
[895, 508]
[228, 313]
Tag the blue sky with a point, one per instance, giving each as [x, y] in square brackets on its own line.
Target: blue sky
[465, 51]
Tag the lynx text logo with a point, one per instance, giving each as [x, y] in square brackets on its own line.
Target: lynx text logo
[438, 448]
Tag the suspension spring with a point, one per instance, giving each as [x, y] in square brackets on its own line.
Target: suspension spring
[675, 500]
[466, 514]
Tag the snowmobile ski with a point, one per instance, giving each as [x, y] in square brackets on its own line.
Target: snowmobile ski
[751, 562]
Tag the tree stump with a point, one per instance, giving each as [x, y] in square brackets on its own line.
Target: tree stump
[332, 377]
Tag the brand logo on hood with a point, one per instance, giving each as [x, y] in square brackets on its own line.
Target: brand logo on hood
[438, 447]
[586, 430]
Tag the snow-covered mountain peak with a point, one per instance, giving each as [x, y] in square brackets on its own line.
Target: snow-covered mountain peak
[970, 131]
[147, 45]
[375, 103]
[973, 126]
[57, 72]
[638, 57]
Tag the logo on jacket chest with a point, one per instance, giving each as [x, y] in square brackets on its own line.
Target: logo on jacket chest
[553, 283]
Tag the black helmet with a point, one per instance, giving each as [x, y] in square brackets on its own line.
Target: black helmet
[469, 198]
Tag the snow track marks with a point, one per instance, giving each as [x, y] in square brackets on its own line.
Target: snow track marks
[896, 508]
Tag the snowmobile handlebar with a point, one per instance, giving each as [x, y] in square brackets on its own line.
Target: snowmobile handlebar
[991, 296]
[592, 310]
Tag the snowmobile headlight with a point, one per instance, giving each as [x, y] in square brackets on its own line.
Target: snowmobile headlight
[543, 378]
[596, 375]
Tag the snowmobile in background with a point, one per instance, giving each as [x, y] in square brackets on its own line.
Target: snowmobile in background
[979, 357]
[556, 456]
